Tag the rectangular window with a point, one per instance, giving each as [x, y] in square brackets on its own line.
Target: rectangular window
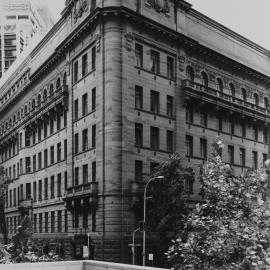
[66, 221]
[94, 171]
[255, 132]
[93, 58]
[138, 97]
[59, 185]
[52, 187]
[139, 55]
[154, 138]
[154, 101]
[189, 114]
[138, 135]
[243, 129]
[85, 219]
[254, 159]
[76, 176]
[94, 136]
[45, 130]
[76, 72]
[76, 143]
[46, 221]
[40, 222]
[189, 146]
[39, 133]
[155, 62]
[65, 149]
[264, 158]
[203, 148]
[59, 152]
[230, 154]
[39, 160]
[46, 189]
[76, 109]
[169, 106]
[169, 141]
[34, 163]
[219, 123]
[34, 137]
[203, 118]
[59, 218]
[35, 223]
[45, 158]
[40, 190]
[66, 183]
[84, 64]
[242, 157]
[84, 104]
[27, 139]
[51, 125]
[58, 121]
[93, 99]
[52, 154]
[265, 135]
[84, 139]
[138, 170]
[153, 166]
[34, 191]
[231, 126]
[52, 222]
[27, 165]
[65, 118]
[85, 173]
[170, 67]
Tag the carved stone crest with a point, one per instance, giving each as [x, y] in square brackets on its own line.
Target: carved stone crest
[161, 6]
[79, 8]
[129, 41]
[182, 61]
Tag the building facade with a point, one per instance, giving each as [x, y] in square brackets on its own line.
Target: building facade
[20, 22]
[111, 91]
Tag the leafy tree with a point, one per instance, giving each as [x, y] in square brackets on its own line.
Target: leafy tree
[230, 230]
[166, 207]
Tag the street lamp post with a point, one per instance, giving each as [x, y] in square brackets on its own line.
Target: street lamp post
[144, 212]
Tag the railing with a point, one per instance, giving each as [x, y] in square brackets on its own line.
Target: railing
[220, 96]
[26, 203]
[87, 188]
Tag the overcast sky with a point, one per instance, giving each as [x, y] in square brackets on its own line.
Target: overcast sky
[250, 18]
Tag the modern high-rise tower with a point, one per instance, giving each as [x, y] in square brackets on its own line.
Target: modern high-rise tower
[20, 20]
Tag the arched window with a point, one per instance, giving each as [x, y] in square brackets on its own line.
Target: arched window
[25, 109]
[65, 78]
[6, 125]
[266, 103]
[204, 79]
[244, 94]
[219, 85]
[51, 90]
[58, 83]
[10, 122]
[45, 95]
[39, 100]
[14, 118]
[18, 115]
[33, 104]
[256, 99]
[190, 73]
[232, 89]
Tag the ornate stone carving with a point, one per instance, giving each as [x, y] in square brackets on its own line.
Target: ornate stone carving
[79, 8]
[161, 6]
[129, 41]
[98, 40]
[182, 61]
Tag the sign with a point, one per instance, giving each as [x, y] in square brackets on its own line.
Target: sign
[150, 257]
[85, 252]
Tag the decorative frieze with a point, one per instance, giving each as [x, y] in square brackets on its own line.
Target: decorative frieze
[80, 7]
[161, 6]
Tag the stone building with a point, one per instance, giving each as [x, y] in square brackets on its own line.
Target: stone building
[20, 21]
[111, 91]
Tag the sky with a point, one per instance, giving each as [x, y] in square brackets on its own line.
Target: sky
[250, 18]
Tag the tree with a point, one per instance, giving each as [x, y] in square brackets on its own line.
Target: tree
[4, 182]
[166, 207]
[229, 230]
